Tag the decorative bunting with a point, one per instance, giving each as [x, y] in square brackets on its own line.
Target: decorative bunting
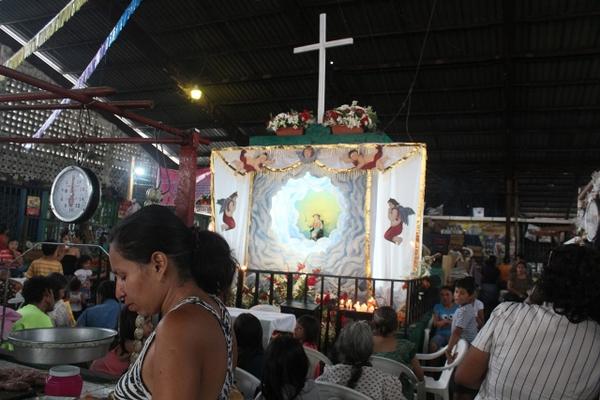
[89, 70]
[44, 34]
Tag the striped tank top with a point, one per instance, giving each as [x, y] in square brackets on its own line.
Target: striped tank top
[131, 386]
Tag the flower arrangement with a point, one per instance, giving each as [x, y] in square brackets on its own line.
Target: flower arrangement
[352, 116]
[292, 119]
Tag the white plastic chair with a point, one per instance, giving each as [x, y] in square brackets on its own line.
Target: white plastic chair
[266, 307]
[246, 383]
[440, 387]
[427, 335]
[396, 368]
[314, 358]
[332, 391]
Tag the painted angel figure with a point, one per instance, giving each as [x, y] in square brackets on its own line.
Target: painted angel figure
[398, 216]
[251, 164]
[308, 154]
[228, 205]
[364, 162]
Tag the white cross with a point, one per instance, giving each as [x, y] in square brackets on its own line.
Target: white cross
[321, 46]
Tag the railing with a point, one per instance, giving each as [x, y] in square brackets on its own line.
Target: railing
[277, 287]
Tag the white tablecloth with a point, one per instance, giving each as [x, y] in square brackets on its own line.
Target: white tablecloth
[270, 321]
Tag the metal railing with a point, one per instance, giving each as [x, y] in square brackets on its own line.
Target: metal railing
[277, 287]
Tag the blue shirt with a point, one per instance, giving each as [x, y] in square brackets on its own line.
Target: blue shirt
[105, 315]
[444, 313]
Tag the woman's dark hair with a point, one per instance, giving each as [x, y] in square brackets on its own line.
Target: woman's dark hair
[311, 328]
[355, 347]
[200, 255]
[35, 288]
[285, 369]
[106, 291]
[385, 321]
[394, 202]
[248, 333]
[126, 328]
[570, 281]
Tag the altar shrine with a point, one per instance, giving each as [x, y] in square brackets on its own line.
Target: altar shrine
[353, 209]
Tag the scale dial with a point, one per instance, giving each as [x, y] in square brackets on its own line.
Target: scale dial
[75, 194]
[591, 219]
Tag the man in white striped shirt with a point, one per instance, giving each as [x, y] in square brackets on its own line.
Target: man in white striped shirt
[548, 351]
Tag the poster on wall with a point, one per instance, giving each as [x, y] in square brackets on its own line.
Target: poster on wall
[33, 206]
[346, 209]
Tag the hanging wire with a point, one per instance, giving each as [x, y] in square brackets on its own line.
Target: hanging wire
[414, 81]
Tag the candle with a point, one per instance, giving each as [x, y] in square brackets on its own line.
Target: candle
[342, 304]
[363, 308]
[371, 309]
[349, 304]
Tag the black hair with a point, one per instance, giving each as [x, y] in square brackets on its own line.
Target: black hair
[49, 249]
[126, 328]
[83, 259]
[570, 282]
[385, 321]
[311, 328]
[74, 284]
[285, 369]
[59, 282]
[467, 283]
[248, 333]
[106, 291]
[448, 288]
[35, 288]
[394, 202]
[200, 255]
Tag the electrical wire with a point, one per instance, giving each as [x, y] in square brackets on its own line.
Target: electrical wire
[414, 81]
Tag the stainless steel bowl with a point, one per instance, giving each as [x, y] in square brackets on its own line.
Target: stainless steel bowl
[52, 346]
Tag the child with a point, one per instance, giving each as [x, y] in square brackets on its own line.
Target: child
[307, 331]
[464, 326]
[62, 315]
[464, 321]
[76, 297]
[117, 360]
[442, 319]
[249, 336]
[84, 274]
[284, 377]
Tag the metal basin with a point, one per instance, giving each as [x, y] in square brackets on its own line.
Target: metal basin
[52, 346]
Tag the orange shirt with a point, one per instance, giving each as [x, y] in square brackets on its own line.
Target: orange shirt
[43, 267]
[504, 271]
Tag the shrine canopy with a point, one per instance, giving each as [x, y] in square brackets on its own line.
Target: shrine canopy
[341, 205]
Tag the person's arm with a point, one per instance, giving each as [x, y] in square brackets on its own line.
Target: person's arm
[480, 318]
[30, 271]
[439, 322]
[454, 338]
[416, 367]
[189, 358]
[472, 370]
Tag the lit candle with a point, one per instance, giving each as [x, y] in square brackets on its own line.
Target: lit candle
[342, 304]
[349, 304]
[363, 308]
[371, 309]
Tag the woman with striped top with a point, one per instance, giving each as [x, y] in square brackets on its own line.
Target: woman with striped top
[546, 351]
[164, 267]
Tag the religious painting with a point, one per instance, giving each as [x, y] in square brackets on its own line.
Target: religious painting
[252, 163]
[346, 209]
[227, 209]
[366, 161]
[398, 217]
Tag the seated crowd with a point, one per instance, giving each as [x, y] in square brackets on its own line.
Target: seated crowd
[540, 345]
